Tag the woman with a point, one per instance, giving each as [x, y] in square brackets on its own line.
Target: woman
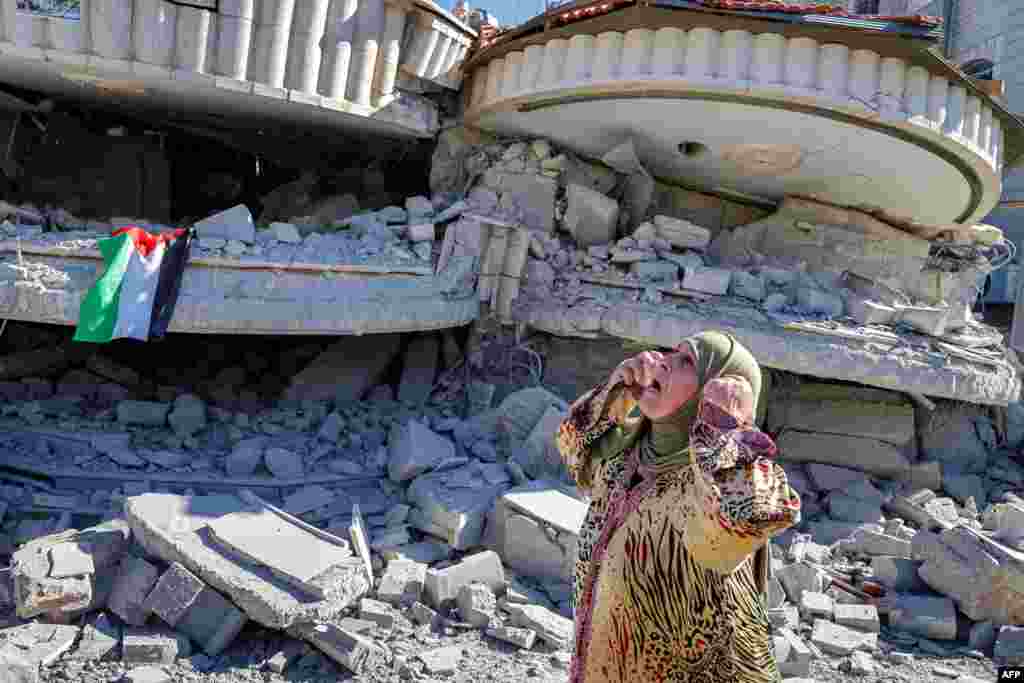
[672, 555]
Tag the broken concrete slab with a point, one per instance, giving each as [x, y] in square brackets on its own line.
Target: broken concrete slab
[414, 449]
[886, 421]
[377, 613]
[135, 578]
[860, 617]
[840, 640]
[442, 585]
[100, 637]
[293, 554]
[978, 573]
[176, 529]
[345, 370]
[457, 502]
[898, 574]
[520, 637]
[866, 455]
[231, 224]
[442, 661]
[476, 604]
[147, 674]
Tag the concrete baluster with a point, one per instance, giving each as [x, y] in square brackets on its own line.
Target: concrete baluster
[607, 55]
[533, 59]
[153, 30]
[769, 59]
[938, 101]
[637, 51]
[304, 53]
[445, 44]
[270, 41]
[579, 58]
[191, 34]
[495, 71]
[479, 87]
[736, 53]
[834, 71]
[801, 62]
[10, 18]
[423, 45]
[111, 26]
[972, 119]
[955, 109]
[510, 79]
[449, 70]
[915, 94]
[701, 49]
[369, 28]
[669, 47]
[337, 57]
[985, 129]
[390, 49]
[864, 79]
[892, 83]
[234, 38]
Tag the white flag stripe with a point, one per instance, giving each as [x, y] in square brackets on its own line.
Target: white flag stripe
[138, 291]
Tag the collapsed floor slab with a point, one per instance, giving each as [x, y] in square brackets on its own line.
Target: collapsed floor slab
[895, 363]
[44, 283]
[175, 528]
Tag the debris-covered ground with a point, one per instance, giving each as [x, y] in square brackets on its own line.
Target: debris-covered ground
[167, 522]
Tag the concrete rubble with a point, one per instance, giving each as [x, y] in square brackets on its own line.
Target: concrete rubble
[397, 504]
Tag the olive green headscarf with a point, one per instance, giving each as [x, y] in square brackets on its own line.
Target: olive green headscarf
[716, 354]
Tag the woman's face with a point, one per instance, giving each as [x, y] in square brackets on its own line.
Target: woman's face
[675, 383]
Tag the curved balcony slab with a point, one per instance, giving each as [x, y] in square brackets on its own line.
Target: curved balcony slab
[47, 284]
[761, 112]
[325, 62]
[911, 370]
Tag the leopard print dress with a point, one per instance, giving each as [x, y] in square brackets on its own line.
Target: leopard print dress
[646, 611]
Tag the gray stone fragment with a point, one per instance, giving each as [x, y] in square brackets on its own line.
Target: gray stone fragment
[188, 416]
[144, 413]
[232, 224]
[414, 449]
[552, 628]
[443, 585]
[520, 637]
[245, 457]
[153, 646]
[402, 582]
[283, 463]
[860, 617]
[377, 612]
[476, 604]
[351, 650]
[422, 614]
[135, 578]
[839, 640]
[816, 605]
[442, 661]
[100, 637]
[147, 674]
[797, 578]
[798, 661]
[15, 668]
[289, 652]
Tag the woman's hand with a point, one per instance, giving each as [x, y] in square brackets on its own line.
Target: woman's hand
[638, 372]
[732, 395]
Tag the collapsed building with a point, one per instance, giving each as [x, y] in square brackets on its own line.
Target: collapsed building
[807, 180]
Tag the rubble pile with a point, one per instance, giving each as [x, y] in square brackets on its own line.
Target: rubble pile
[393, 235]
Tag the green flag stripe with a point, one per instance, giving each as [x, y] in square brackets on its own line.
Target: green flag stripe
[98, 315]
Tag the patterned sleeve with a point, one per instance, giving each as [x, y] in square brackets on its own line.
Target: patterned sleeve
[738, 459]
[592, 418]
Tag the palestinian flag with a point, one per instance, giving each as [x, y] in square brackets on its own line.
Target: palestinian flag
[135, 296]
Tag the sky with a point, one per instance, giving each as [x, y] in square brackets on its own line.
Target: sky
[507, 12]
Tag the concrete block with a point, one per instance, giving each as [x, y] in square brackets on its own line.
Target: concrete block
[898, 574]
[142, 645]
[708, 280]
[233, 224]
[537, 528]
[867, 312]
[590, 217]
[797, 578]
[377, 612]
[533, 194]
[553, 629]
[245, 457]
[402, 583]
[184, 602]
[422, 614]
[476, 604]
[100, 637]
[442, 661]
[442, 585]
[885, 421]
[870, 542]
[419, 368]
[147, 674]
[798, 659]
[840, 640]
[928, 617]
[655, 271]
[787, 616]
[350, 650]
[682, 233]
[414, 449]
[520, 637]
[857, 616]
[423, 552]
[816, 605]
[135, 578]
[454, 504]
[173, 594]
